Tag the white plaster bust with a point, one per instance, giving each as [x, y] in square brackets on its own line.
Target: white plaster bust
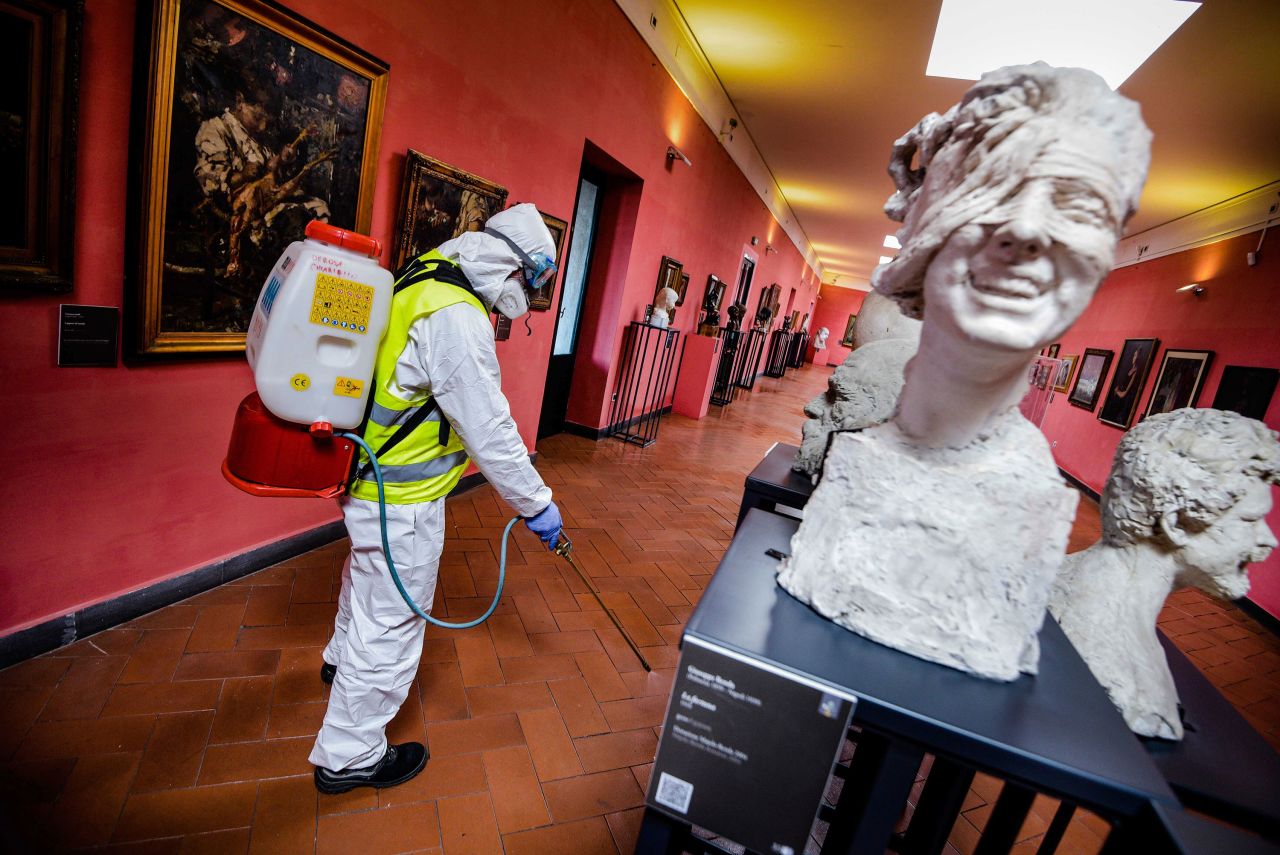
[940, 531]
[820, 340]
[662, 306]
[863, 391]
[1185, 505]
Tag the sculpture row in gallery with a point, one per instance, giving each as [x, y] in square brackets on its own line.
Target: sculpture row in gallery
[940, 531]
[947, 522]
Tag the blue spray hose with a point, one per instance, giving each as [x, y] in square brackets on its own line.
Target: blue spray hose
[386, 550]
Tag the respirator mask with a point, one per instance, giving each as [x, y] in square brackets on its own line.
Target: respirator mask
[535, 271]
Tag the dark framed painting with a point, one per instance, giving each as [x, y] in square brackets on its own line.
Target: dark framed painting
[1052, 350]
[1090, 378]
[847, 339]
[683, 289]
[253, 122]
[439, 202]
[1246, 390]
[1067, 365]
[767, 309]
[541, 299]
[1128, 381]
[714, 294]
[1179, 380]
[40, 44]
[669, 273]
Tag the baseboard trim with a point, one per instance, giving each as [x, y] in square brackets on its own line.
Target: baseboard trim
[1080, 485]
[59, 632]
[597, 434]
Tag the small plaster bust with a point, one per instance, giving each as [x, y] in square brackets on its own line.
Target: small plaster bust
[940, 531]
[662, 306]
[820, 340]
[1185, 505]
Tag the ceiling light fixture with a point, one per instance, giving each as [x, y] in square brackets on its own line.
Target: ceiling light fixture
[891, 241]
[674, 154]
[1110, 38]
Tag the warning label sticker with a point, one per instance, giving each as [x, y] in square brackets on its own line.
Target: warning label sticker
[341, 304]
[348, 387]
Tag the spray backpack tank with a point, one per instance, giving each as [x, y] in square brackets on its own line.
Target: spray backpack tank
[312, 345]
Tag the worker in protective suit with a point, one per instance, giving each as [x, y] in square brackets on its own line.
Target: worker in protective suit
[437, 403]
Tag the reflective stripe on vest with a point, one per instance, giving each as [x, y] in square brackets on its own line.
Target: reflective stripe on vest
[419, 468]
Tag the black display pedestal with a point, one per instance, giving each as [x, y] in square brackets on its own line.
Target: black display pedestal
[1056, 733]
[773, 482]
[1222, 766]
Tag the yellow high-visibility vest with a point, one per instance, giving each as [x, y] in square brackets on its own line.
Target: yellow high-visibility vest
[420, 468]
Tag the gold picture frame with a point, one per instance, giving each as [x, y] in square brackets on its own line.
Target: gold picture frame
[253, 121]
[540, 299]
[439, 202]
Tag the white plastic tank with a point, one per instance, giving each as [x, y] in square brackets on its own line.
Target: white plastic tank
[313, 340]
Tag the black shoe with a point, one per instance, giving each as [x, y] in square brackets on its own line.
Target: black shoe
[327, 673]
[399, 764]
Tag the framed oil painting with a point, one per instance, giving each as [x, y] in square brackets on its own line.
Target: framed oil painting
[669, 273]
[40, 42]
[847, 339]
[253, 123]
[1126, 384]
[1066, 365]
[438, 202]
[541, 299]
[1182, 373]
[1246, 390]
[1090, 378]
[683, 289]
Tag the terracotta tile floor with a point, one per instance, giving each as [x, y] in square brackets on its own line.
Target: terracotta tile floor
[188, 730]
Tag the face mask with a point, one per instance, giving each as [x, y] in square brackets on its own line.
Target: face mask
[512, 300]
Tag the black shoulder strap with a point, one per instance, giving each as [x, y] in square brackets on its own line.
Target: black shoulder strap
[410, 425]
[439, 269]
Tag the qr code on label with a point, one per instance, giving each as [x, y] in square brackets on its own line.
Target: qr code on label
[674, 793]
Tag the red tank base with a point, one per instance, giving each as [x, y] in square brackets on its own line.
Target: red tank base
[268, 456]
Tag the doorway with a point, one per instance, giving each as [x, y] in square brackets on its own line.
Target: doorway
[577, 270]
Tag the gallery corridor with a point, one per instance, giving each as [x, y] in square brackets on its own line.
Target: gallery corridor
[187, 730]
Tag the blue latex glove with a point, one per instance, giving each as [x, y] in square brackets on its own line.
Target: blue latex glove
[547, 525]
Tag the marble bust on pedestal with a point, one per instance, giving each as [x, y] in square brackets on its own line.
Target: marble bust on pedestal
[940, 531]
[1185, 505]
[662, 306]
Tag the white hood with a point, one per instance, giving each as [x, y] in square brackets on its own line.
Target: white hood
[487, 261]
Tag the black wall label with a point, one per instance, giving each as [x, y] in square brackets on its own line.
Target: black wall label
[88, 335]
[746, 752]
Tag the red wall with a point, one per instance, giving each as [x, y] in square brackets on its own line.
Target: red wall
[834, 307]
[1236, 318]
[119, 483]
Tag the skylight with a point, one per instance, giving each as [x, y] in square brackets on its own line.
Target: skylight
[1110, 37]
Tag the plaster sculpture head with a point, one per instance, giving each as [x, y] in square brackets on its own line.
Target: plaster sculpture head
[1195, 483]
[820, 340]
[862, 391]
[662, 306]
[1011, 216]
[880, 318]
[1185, 505]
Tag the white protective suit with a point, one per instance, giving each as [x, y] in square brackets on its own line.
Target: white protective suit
[377, 640]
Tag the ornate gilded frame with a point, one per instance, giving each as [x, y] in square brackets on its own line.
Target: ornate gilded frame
[419, 169]
[157, 99]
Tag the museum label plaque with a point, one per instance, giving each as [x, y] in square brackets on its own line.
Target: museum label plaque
[746, 748]
[87, 335]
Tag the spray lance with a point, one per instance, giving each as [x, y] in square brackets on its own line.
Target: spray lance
[312, 345]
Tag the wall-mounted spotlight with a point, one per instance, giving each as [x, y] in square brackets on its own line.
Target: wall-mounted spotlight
[1195, 288]
[769, 250]
[674, 154]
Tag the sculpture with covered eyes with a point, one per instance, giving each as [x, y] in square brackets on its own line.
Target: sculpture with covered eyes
[940, 531]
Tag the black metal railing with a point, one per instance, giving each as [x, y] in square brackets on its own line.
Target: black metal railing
[649, 361]
[744, 376]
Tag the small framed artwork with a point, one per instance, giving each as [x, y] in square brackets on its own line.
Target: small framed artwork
[1062, 380]
[683, 289]
[1182, 373]
[439, 202]
[41, 43]
[1052, 352]
[847, 340]
[1090, 377]
[669, 273]
[540, 300]
[1246, 390]
[251, 123]
[1126, 384]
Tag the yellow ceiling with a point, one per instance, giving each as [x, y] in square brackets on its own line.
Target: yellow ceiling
[825, 86]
